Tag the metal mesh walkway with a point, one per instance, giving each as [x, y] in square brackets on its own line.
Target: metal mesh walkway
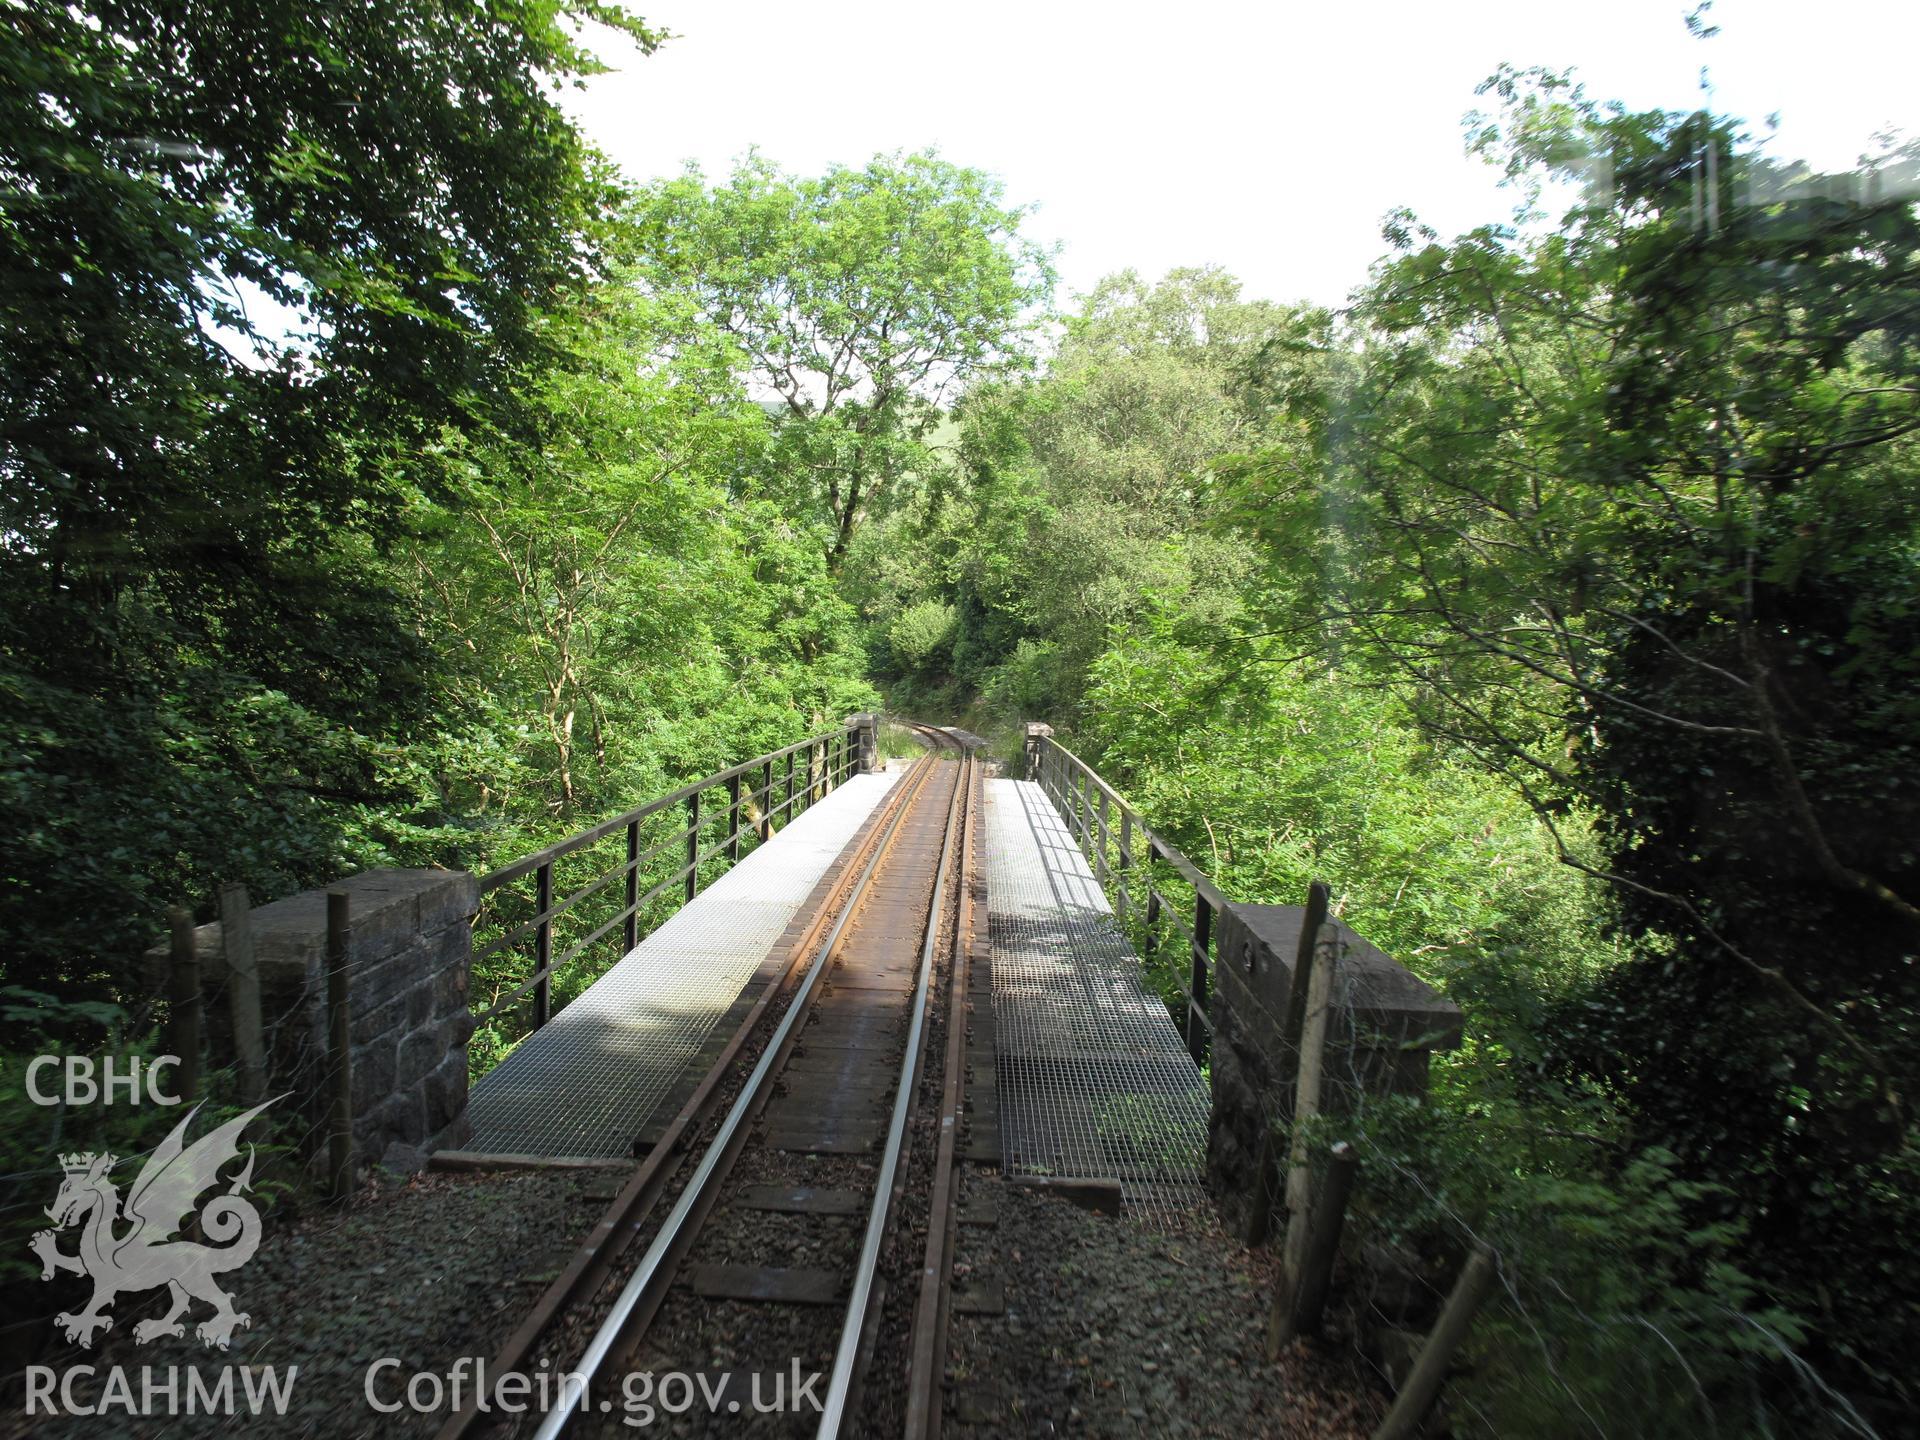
[587, 1081]
[1094, 1080]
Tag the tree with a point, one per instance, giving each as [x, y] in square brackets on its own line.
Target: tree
[1074, 495]
[197, 615]
[609, 617]
[862, 300]
[1627, 507]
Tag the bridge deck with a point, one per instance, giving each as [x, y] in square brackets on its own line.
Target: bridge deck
[1094, 1080]
[588, 1081]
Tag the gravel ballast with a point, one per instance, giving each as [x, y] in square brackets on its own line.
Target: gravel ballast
[425, 1271]
[1111, 1329]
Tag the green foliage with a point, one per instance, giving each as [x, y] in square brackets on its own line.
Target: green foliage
[1074, 497]
[921, 636]
[1558, 605]
[861, 299]
[1618, 1302]
[203, 654]
[1271, 779]
[1626, 509]
[1564, 624]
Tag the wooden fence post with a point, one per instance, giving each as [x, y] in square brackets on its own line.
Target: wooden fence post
[1260, 1211]
[1315, 916]
[1300, 1314]
[1416, 1397]
[1306, 1105]
[183, 1004]
[243, 993]
[339, 1045]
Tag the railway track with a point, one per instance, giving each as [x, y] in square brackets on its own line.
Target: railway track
[808, 1183]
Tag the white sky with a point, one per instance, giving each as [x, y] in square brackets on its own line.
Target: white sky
[1267, 138]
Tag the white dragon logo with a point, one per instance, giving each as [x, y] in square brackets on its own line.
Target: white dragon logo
[160, 1202]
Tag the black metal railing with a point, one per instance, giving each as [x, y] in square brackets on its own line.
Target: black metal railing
[670, 844]
[1128, 855]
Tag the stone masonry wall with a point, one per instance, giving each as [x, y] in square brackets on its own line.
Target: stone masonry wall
[410, 938]
[1386, 1025]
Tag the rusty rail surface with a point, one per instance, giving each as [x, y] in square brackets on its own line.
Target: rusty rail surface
[889, 841]
[627, 1215]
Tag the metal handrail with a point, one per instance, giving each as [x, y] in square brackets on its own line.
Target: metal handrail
[1072, 785]
[527, 864]
[832, 755]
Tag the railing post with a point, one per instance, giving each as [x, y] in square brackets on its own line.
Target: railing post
[693, 845]
[786, 811]
[1123, 862]
[1197, 986]
[1100, 840]
[632, 928]
[543, 944]
[733, 818]
[766, 802]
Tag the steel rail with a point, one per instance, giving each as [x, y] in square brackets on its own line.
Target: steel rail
[697, 1189]
[852, 1328]
[927, 1354]
[623, 1218]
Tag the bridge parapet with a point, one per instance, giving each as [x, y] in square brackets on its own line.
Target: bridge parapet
[866, 732]
[409, 936]
[1384, 1025]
